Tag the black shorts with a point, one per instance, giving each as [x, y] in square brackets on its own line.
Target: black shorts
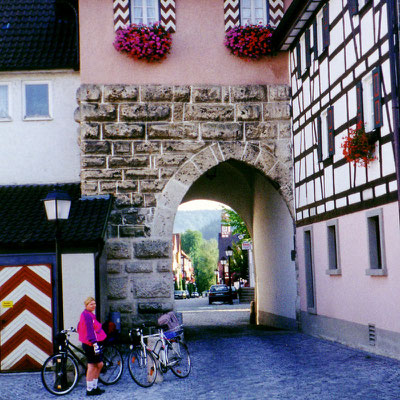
[91, 357]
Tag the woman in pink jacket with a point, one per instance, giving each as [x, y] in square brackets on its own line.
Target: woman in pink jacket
[91, 335]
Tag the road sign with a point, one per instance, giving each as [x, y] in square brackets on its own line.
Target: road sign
[246, 246]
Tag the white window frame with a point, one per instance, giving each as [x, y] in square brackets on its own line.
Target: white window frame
[309, 269]
[320, 38]
[324, 134]
[368, 102]
[252, 14]
[303, 60]
[376, 244]
[50, 105]
[144, 11]
[332, 230]
[8, 117]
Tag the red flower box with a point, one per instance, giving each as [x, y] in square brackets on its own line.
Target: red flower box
[150, 43]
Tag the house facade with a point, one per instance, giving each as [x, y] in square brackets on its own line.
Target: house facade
[201, 123]
[182, 267]
[347, 213]
[39, 77]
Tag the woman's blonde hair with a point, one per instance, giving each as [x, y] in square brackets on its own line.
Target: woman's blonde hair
[89, 300]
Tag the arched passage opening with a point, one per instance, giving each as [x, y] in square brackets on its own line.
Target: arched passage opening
[257, 200]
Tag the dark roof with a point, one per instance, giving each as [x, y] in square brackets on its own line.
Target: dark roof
[38, 34]
[293, 22]
[224, 242]
[23, 220]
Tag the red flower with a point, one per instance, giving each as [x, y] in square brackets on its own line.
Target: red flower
[151, 43]
[356, 147]
[249, 42]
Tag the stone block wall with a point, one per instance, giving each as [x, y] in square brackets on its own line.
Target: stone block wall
[135, 139]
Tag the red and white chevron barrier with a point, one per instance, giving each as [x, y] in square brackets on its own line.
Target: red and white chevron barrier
[26, 328]
[276, 11]
[231, 14]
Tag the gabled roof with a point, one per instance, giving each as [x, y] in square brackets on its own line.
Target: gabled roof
[293, 22]
[23, 221]
[38, 35]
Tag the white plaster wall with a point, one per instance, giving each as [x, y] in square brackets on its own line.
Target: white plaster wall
[43, 151]
[273, 241]
[78, 283]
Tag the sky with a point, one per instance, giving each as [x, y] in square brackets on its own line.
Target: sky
[201, 205]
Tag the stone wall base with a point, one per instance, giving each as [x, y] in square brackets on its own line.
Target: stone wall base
[387, 343]
[276, 321]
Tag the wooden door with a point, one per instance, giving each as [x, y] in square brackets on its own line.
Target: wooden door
[26, 318]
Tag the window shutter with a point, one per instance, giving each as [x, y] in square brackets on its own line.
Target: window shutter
[319, 139]
[331, 133]
[359, 98]
[168, 15]
[353, 7]
[325, 26]
[315, 37]
[121, 14]
[231, 14]
[376, 87]
[308, 48]
[276, 11]
[298, 52]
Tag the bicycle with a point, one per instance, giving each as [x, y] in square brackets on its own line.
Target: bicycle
[60, 372]
[169, 353]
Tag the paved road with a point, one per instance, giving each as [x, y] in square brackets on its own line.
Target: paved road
[234, 361]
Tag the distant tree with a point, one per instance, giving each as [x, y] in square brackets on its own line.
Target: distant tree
[207, 264]
[191, 242]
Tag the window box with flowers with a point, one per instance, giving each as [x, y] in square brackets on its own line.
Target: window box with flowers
[144, 42]
[359, 146]
[249, 42]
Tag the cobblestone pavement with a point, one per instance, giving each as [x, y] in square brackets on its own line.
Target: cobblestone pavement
[241, 362]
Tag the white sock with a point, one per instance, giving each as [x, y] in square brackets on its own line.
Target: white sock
[89, 385]
[95, 383]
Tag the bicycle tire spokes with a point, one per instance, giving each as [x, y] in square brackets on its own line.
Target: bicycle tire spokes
[142, 366]
[113, 366]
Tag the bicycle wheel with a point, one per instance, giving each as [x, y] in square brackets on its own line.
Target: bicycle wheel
[113, 366]
[142, 366]
[179, 359]
[59, 374]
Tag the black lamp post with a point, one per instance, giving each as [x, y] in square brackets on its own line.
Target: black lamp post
[229, 253]
[57, 205]
[223, 262]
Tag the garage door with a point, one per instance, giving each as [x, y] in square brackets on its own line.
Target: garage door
[26, 316]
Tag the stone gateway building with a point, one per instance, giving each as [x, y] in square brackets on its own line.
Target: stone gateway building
[154, 146]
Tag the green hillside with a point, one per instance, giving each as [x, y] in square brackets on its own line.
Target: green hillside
[208, 222]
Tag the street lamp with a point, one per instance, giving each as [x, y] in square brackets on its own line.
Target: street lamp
[223, 263]
[229, 253]
[57, 205]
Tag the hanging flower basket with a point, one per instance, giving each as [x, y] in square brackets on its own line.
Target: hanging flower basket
[357, 147]
[142, 42]
[250, 42]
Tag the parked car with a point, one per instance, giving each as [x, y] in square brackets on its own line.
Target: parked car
[218, 293]
[195, 294]
[180, 294]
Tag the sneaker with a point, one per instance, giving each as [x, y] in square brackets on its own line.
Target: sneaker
[95, 392]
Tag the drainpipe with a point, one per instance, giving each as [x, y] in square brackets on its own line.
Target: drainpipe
[393, 33]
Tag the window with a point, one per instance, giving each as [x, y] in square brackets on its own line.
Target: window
[321, 31]
[377, 262]
[36, 100]
[325, 135]
[318, 40]
[368, 103]
[369, 100]
[4, 102]
[333, 248]
[309, 269]
[144, 11]
[253, 12]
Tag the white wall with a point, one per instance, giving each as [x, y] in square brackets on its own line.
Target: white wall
[78, 284]
[273, 241]
[43, 151]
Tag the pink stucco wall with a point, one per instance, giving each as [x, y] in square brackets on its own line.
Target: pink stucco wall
[354, 296]
[198, 55]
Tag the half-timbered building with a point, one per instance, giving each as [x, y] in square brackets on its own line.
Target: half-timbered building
[347, 218]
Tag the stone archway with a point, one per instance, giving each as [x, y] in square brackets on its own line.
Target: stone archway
[147, 146]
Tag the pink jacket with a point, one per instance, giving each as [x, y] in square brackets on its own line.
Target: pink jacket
[89, 329]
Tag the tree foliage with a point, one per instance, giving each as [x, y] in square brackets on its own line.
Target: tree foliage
[233, 219]
[204, 256]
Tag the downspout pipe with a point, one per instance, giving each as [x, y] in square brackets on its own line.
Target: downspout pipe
[393, 34]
